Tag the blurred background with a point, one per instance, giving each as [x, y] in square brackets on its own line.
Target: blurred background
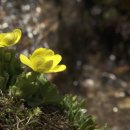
[93, 36]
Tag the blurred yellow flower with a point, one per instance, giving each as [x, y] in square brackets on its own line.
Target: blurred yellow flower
[43, 60]
[10, 38]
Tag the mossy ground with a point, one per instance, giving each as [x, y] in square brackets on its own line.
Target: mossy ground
[15, 115]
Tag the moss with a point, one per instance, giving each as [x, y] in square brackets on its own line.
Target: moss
[15, 115]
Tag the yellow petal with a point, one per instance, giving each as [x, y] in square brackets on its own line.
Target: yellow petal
[55, 58]
[1, 45]
[44, 67]
[42, 52]
[17, 35]
[26, 61]
[8, 39]
[40, 63]
[2, 35]
[3, 42]
[37, 60]
[44, 61]
[58, 68]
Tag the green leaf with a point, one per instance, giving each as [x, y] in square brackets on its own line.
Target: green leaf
[77, 115]
[35, 89]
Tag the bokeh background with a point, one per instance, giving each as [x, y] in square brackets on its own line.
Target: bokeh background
[93, 36]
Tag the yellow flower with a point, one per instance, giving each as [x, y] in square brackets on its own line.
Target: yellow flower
[10, 38]
[44, 61]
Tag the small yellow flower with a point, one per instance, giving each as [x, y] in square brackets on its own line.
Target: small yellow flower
[44, 61]
[10, 38]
